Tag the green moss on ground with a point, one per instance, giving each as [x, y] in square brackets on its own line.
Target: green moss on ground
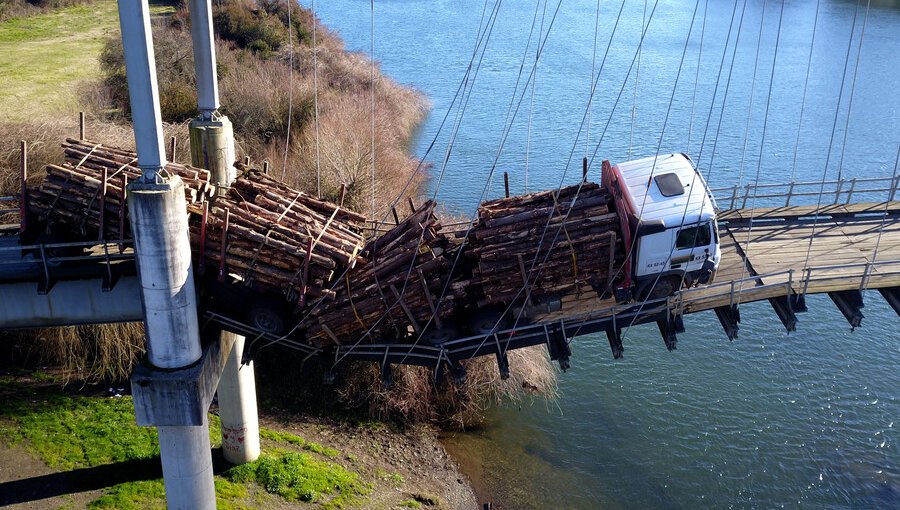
[298, 476]
[72, 432]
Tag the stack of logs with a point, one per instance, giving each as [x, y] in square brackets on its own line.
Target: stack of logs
[394, 288]
[277, 238]
[584, 245]
[86, 194]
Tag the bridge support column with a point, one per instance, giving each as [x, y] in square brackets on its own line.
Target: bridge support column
[212, 147]
[237, 407]
[163, 252]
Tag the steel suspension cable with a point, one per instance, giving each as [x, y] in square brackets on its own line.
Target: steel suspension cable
[862, 36]
[533, 90]
[837, 110]
[697, 75]
[456, 98]
[762, 142]
[762, 19]
[372, 79]
[812, 43]
[287, 135]
[587, 136]
[637, 75]
[884, 218]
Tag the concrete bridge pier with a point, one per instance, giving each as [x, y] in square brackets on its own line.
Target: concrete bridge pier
[162, 247]
[212, 147]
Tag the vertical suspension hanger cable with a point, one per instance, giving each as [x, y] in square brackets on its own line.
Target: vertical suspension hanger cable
[837, 110]
[316, 102]
[697, 76]
[372, 79]
[762, 141]
[637, 75]
[537, 54]
[884, 218]
[287, 135]
[593, 85]
[862, 35]
[762, 18]
[812, 44]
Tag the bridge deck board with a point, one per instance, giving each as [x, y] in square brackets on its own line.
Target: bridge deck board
[800, 211]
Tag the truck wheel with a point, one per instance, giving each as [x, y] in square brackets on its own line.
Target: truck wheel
[438, 336]
[483, 321]
[268, 317]
[665, 287]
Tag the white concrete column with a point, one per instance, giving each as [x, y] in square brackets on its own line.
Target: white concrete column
[187, 467]
[140, 69]
[237, 407]
[212, 147]
[204, 58]
[162, 248]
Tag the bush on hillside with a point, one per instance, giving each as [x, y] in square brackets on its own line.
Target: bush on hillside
[22, 8]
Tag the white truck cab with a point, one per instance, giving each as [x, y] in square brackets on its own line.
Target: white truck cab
[668, 216]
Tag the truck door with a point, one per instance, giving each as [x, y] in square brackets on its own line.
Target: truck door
[694, 244]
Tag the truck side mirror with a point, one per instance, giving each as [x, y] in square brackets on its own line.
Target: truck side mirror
[646, 228]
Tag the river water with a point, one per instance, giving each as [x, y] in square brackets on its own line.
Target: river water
[808, 419]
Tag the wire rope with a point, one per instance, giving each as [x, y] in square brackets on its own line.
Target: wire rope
[372, 80]
[587, 136]
[812, 44]
[533, 91]
[749, 115]
[862, 35]
[287, 135]
[637, 75]
[697, 76]
[884, 218]
[837, 110]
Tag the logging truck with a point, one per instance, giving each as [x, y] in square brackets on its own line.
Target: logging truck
[266, 253]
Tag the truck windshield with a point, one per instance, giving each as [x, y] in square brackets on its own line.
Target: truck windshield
[692, 237]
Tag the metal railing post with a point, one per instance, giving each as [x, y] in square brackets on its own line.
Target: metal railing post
[790, 193]
[746, 195]
[850, 191]
[837, 190]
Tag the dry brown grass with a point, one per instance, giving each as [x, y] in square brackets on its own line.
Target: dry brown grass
[84, 353]
[414, 398]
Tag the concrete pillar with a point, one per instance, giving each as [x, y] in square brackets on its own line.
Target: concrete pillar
[204, 58]
[237, 407]
[212, 147]
[162, 248]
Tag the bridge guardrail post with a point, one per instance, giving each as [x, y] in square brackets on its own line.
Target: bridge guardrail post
[838, 190]
[733, 196]
[746, 195]
[790, 193]
[850, 191]
[893, 191]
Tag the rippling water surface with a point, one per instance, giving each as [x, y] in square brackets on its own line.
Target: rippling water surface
[770, 420]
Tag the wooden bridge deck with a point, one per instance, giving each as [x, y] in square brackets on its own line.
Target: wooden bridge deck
[767, 257]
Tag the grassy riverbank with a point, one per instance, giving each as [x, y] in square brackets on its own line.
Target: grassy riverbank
[82, 449]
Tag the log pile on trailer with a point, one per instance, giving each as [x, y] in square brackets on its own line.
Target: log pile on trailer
[394, 287]
[557, 242]
[86, 195]
[276, 238]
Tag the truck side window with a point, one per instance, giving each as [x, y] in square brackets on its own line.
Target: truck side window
[692, 237]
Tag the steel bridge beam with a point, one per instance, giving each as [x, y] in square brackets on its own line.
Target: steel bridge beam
[892, 296]
[730, 318]
[850, 303]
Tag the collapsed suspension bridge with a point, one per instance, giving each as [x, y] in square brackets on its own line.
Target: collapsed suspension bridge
[838, 237]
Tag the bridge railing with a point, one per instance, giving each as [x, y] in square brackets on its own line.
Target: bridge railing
[9, 210]
[49, 259]
[838, 191]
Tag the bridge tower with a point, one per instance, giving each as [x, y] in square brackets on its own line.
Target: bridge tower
[162, 246]
[212, 147]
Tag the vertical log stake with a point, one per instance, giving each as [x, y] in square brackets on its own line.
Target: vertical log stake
[23, 199]
[506, 183]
